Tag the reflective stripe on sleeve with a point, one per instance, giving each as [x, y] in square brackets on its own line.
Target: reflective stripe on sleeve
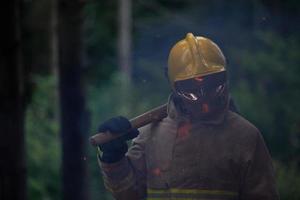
[122, 185]
[190, 194]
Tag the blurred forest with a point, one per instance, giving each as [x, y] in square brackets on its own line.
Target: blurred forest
[68, 65]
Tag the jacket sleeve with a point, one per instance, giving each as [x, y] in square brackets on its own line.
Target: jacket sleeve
[258, 182]
[126, 179]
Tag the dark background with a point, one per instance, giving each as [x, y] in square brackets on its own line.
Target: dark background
[64, 69]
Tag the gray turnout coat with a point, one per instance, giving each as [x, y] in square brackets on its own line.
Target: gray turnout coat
[180, 159]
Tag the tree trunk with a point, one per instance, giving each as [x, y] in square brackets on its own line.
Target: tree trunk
[53, 37]
[124, 53]
[71, 100]
[124, 42]
[12, 151]
[54, 52]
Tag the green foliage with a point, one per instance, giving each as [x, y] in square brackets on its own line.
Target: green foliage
[121, 97]
[42, 141]
[267, 90]
[100, 33]
[288, 181]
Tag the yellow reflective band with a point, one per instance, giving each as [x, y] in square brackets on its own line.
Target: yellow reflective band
[190, 194]
[122, 185]
[191, 191]
[181, 199]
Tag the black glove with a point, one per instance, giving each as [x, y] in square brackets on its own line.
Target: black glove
[115, 150]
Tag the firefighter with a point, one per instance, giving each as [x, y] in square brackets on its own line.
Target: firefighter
[201, 150]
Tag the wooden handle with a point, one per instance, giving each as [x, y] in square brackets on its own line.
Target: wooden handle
[155, 114]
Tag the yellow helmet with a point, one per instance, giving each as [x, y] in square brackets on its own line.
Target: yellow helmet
[193, 57]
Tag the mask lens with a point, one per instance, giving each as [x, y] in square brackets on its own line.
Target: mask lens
[219, 90]
[189, 96]
[202, 93]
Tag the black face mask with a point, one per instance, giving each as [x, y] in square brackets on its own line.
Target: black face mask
[202, 97]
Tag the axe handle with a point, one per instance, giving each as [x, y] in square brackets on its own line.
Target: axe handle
[153, 115]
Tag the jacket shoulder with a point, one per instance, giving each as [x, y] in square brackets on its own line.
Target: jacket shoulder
[239, 123]
[244, 134]
[145, 133]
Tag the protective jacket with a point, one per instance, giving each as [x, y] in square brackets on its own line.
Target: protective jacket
[183, 159]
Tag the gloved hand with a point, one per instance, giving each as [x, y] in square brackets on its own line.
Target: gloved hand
[115, 150]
